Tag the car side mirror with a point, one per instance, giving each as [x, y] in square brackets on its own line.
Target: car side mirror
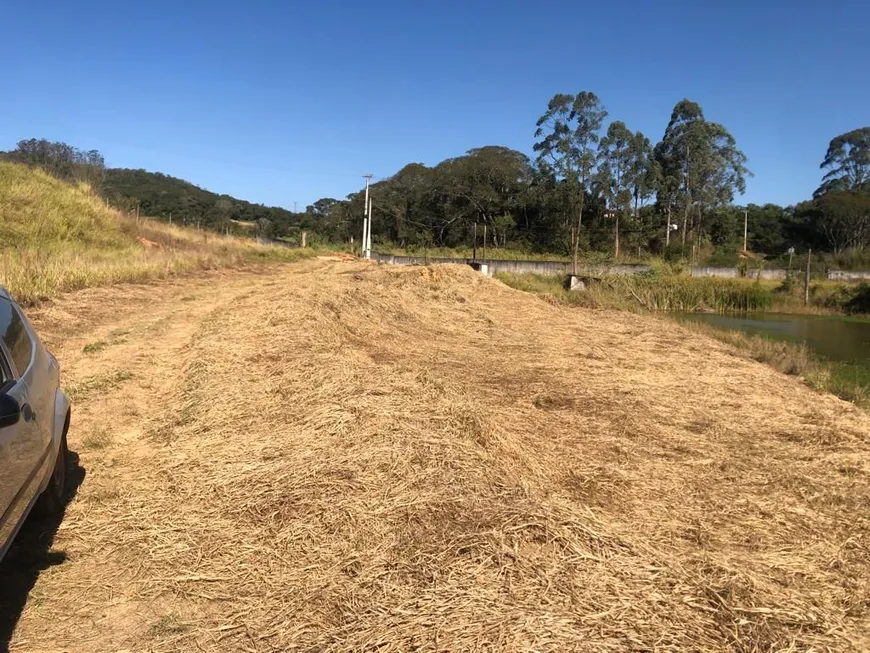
[10, 411]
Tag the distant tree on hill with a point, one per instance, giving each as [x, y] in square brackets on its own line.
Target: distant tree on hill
[160, 196]
[61, 160]
[322, 207]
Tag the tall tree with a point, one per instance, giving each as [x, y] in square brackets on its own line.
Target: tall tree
[485, 185]
[844, 219]
[615, 169]
[701, 165]
[568, 135]
[644, 172]
[848, 163]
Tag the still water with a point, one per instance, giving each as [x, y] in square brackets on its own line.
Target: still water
[839, 339]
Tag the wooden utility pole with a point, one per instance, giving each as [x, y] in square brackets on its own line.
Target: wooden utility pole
[745, 229]
[474, 246]
[807, 281]
[616, 238]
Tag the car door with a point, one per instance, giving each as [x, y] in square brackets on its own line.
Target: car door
[22, 445]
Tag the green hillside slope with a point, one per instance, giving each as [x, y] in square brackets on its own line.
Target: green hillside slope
[56, 236]
[159, 195]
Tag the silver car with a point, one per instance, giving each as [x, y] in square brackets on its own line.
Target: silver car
[34, 418]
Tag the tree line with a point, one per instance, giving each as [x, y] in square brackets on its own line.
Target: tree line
[596, 189]
[590, 186]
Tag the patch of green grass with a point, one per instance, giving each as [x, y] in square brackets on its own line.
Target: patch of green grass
[652, 292]
[97, 384]
[95, 347]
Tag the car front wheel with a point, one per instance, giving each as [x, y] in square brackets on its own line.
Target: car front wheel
[51, 501]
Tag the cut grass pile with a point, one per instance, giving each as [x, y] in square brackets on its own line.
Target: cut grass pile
[423, 459]
[56, 237]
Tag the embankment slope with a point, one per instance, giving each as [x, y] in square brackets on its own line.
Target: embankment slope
[57, 236]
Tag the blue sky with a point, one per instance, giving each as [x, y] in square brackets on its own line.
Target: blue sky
[283, 102]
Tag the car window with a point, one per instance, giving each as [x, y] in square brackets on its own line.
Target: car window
[15, 336]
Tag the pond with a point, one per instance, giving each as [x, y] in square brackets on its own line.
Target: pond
[840, 339]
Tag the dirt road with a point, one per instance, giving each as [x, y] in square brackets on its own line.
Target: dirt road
[333, 456]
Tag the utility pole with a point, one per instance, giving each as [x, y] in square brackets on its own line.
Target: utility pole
[366, 216]
[616, 238]
[745, 229]
[365, 231]
[484, 243]
[369, 238]
[807, 281]
[474, 246]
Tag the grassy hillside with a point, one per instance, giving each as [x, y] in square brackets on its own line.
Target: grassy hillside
[55, 237]
[159, 195]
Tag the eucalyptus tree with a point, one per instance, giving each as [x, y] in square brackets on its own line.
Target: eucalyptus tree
[615, 168]
[567, 138]
[848, 163]
[700, 163]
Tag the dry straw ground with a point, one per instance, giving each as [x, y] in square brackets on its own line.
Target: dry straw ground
[340, 457]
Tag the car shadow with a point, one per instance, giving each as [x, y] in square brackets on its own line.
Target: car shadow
[30, 554]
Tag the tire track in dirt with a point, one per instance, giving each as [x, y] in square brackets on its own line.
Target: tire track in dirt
[122, 352]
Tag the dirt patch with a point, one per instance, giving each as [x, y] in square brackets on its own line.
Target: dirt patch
[326, 462]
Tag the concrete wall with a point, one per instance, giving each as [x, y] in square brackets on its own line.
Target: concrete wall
[849, 275]
[519, 267]
[705, 271]
[734, 273]
[774, 274]
[598, 271]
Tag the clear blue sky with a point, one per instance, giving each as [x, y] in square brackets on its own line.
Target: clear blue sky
[286, 101]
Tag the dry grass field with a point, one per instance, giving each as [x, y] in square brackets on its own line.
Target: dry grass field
[332, 456]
